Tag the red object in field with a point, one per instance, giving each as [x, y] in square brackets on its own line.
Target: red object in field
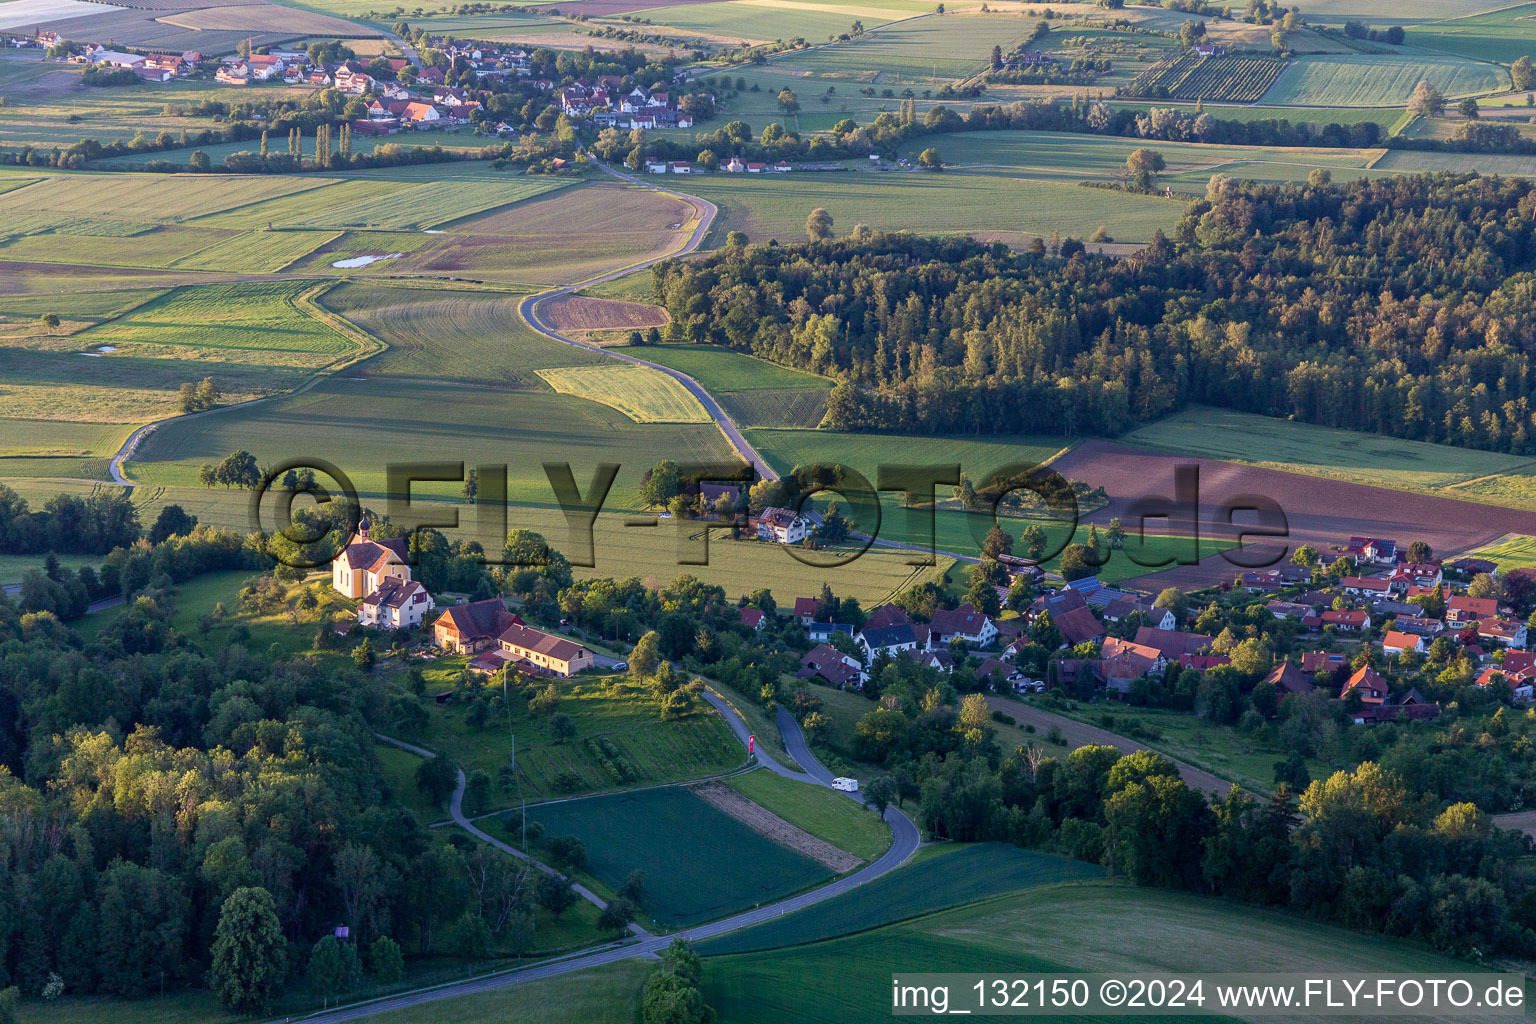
[751, 743]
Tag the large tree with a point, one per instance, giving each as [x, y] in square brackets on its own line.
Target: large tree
[250, 955]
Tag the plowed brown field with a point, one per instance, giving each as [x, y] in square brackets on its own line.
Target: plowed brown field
[1318, 512]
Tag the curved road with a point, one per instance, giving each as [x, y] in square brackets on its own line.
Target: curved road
[904, 842]
[529, 311]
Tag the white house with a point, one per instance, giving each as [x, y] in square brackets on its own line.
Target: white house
[396, 604]
[782, 525]
[962, 623]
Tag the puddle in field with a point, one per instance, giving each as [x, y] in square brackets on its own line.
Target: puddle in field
[363, 261]
[106, 348]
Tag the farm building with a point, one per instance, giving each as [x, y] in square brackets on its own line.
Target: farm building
[545, 652]
[473, 627]
[396, 604]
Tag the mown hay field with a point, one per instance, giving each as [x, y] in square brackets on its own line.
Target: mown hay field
[692, 855]
[1373, 80]
[752, 392]
[639, 392]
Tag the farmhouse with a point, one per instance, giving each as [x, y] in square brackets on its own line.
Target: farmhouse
[1071, 615]
[473, 627]
[545, 652]
[396, 604]
[364, 564]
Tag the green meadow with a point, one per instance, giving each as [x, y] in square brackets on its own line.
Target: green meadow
[1090, 927]
[822, 812]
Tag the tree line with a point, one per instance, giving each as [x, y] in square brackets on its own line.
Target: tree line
[1396, 306]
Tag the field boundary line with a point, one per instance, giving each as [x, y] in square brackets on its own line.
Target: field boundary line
[304, 302]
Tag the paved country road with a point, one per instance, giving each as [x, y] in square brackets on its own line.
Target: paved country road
[529, 310]
[904, 843]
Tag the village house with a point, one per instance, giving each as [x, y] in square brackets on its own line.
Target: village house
[264, 67]
[1070, 614]
[1372, 549]
[1418, 624]
[473, 627]
[396, 604]
[363, 564]
[1123, 606]
[1504, 632]
[1289, 681]
[1517, 671]
[1288, 609]
[1000, 674]
[780, 525]
[836, 669]
[1368, 684]
[1313, 662]
[1462, 611]
[892, 639]
[821, 631]
[1171, 643]
[939, 661]
[1396, 642]
[962, 623]
[117, 59]
[1357, 586]
[1347, 620]
[233, 74]
[805, 610]
[754, 618]
[545, 652]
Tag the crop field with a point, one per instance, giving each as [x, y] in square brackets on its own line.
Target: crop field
[1192, 77]
[152, 198]
[994, 204]
[565, 236]
[1067, 157]
[927, 50]
[620, 741]
[56, 439]
[1503, 35]
[819, 811]
[1081, 927]
[254, 323]
[386, 205]
[158, 248]
[756, 21]
[251, 338]
[940, 877]
[339, 419]
[1390, 12]
[691, 853]
[1375, 80]
[1318, 510]
[1508, 164]
[639, 392]
[752, 392]
[257, 251]
[1322, 451]
[473, 339]
[585, 313]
